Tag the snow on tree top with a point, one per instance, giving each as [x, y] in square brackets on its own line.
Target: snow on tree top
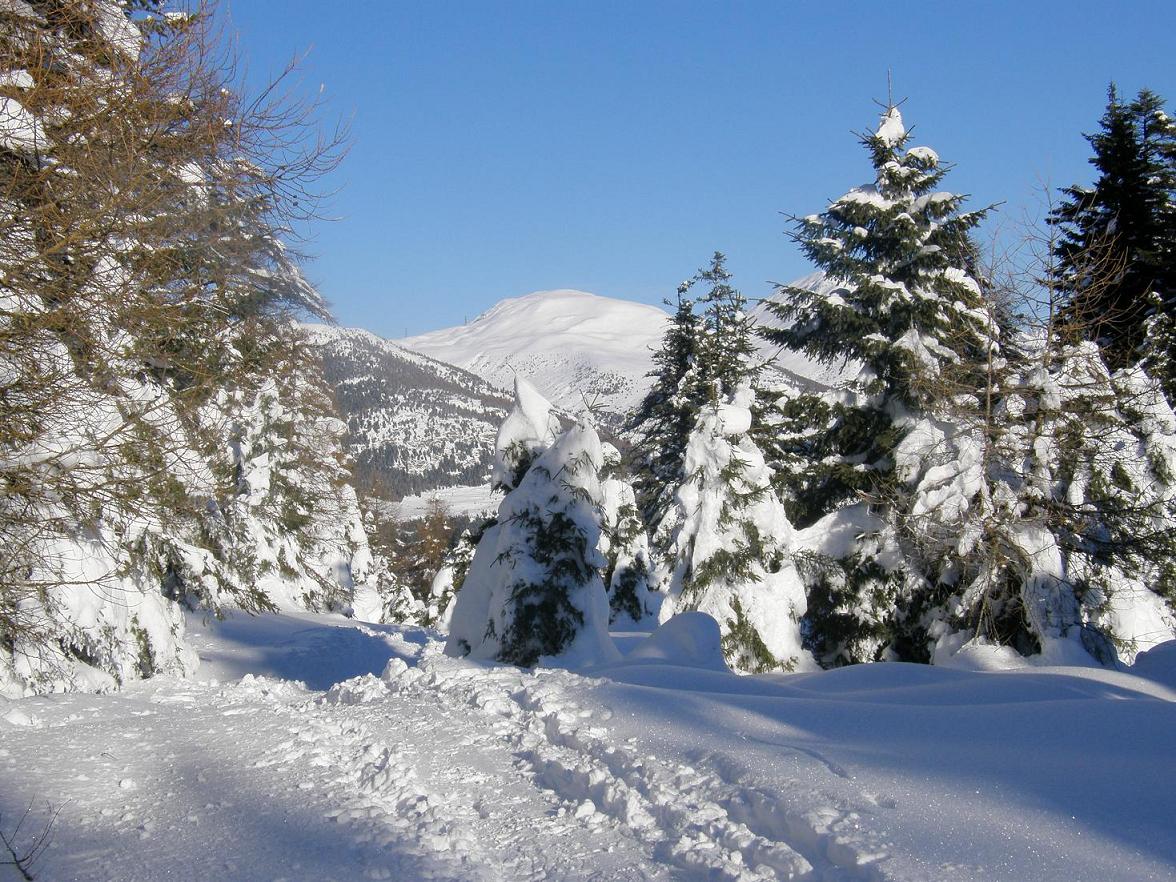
[530, 426]
[891, 131]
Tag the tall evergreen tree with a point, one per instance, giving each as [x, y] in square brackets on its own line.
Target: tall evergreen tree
[707, 353]
[1116, 237]
[662, 423]
[910, 319]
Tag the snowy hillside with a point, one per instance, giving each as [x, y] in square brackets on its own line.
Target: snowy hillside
[414, 424]
[571, 345]
[313, 748]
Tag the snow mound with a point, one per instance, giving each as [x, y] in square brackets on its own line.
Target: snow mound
[891, 131]
[688, 640]
[1157, 664]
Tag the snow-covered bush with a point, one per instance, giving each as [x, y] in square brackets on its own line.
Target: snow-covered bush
[533, 590]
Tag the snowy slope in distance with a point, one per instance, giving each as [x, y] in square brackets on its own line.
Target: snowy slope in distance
[793, 368]
[573, 346]
[414, 424]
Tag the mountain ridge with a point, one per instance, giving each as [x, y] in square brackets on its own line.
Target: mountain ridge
[579, 349]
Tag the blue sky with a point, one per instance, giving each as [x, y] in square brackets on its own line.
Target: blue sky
[501, 148]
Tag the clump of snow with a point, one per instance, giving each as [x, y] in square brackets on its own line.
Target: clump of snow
[20, 130]
[925, 155]
[529, 428]
[891, 131]
[734, 418]
[16, 79]
[959, 651]
[118, 29]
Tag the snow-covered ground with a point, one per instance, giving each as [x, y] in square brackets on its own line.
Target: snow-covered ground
[313, 747]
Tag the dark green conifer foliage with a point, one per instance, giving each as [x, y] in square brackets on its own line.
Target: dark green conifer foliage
[703, 357]
[666, 416]
[545, 620]
[1116, 237]
[1158, 350]
[728, 346]
[897, 246]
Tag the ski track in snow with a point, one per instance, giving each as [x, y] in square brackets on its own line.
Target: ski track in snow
[441, 769]
[690, 818]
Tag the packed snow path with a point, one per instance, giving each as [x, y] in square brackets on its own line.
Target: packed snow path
[442, 769]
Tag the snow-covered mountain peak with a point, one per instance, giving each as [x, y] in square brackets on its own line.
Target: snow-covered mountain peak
[569, 309]
[572, 345]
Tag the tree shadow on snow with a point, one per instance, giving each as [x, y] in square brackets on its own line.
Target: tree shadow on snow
[320, 652]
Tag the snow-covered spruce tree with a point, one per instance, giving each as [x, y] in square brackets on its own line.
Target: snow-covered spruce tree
[528, 430]
[703, 358]
[142, 287]
[728, 553]
[1116, 242]
[451, 576]
[534, 590]
[623, 543]
[1093, 551]
[297, 539]
[1088, 471]
[909, 315]
[1157, 353]
[727, 349]
[721, 542]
